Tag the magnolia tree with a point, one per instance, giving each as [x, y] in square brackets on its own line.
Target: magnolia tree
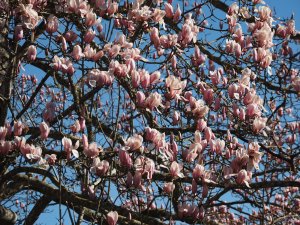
[148, 112]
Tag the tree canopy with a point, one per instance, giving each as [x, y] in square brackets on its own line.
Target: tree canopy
[148, 112]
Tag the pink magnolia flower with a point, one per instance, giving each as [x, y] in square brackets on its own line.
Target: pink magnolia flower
[155, 136]
[169, 187]
[29, 16]
[144, 78]
[259, 124]
[208, 96]
[137, 179]
[64, 45]
[70, 36]
[154, 37]
[18, 33]
[200, 109]
[240, 161]
[135, 142]
[243, 177]
[140, 98]
[153, 100]
[264, 13]
[99, 78]
[92, 151]
[112, 217]
[69, 148]
[158, 15]
[99, 167]
[254, 155]
[201, 124]
[175, 170]
[51, 159]
[296, 84]
[154, 77]
[31, 53]
[290, 27]
[112, 8]
[145, 165]
[77, 52]
[253, 110]
[79, 7]
[75, 127]
[217, 145]
[18, 128]
[125, 158]
[233, 9]
[114, 51]
[67, 66]
[5, 147]
[52, 24]
[45, 130]
[135, 78]
[90, 19]
[49, 112]
[176, 118]
[169, 10]
[89, 36]
[31, 152]
[3, 132]
[264, 36]
[177, 14]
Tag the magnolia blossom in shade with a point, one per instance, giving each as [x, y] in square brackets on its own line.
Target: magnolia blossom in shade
[259, 124]
[29, 16]
[3, 132]
[112, 218]
[69, 148]
[176, 118]
[5, 147]
[125, 158]
[75, 127]
[135, 142]
[18, 128]
[31, 53]
[243, 177]
[169, 187]
[70, 36]
[92, 150]
[99, 167]
[52, 24]
[175, 170]
[19, 32]
[45, 130]
[51, 159]
[296, 84]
